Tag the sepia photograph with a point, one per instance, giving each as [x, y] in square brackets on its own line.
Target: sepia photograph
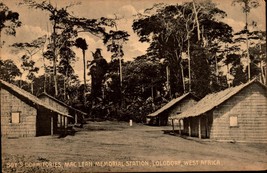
[133, 85]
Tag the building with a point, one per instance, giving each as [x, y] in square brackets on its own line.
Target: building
[24, 115]
[63, 107]
[175, 106]
[235, 114]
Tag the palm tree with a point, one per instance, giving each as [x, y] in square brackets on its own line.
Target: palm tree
[81, 43]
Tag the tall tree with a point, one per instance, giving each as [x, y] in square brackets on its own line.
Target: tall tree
[247, 5]
[9, 21]
[67, 57]
[115, 40]
[81, 43]
[256, 52]
[98, 68]
[62, 30]
[166, 31]
[67, 26]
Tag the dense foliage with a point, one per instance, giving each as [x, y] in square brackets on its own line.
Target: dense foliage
[190, 50]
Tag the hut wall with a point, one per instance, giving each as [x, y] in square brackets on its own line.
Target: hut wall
[54, 104]
[27, 116]
[250, 107]
[182, 106]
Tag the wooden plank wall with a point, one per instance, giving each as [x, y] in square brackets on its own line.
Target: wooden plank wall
[26, 127]
[182, 106]
[54, 104]
[250, 105]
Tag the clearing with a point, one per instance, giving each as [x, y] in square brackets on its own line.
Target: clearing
[109, 146]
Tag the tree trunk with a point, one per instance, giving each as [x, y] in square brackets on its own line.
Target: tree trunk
[120, 71]
[64, 85]
[227, 76]
[84, 78]
[189, 64]
[216, 69]
[55, 59]
[196, 18]
[55, 76]
[178, 63]
[45, 82]
[32, 87]
[182, 71]
[168, 80]
[248, 58]
[65, 81]
[45, 76]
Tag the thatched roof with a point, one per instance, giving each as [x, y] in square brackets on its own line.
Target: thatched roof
[33, 99]
[213, 100]
[60, 102]
[171, 103]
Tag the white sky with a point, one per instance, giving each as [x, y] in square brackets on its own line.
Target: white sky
[35, 23]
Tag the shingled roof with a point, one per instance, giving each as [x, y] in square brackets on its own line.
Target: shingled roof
[60, 102]
[213, 100]
[171, 103]
[33, 99]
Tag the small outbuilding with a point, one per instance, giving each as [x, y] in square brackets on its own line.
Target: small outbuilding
[237, 114]
[63, 107]
[25, 115]
[162, 116]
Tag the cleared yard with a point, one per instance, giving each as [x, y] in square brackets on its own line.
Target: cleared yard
[114, 146]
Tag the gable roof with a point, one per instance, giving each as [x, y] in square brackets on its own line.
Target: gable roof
[60, 102]
[30, 97]
[171, 103]
[213, 100]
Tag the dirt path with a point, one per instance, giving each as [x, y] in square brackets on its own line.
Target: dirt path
[114, 146]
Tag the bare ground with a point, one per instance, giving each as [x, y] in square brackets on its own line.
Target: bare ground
[115, 147]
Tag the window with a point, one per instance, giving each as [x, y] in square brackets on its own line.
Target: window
[15, 117]
[233, 121]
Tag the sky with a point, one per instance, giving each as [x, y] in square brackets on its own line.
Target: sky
[35, 23]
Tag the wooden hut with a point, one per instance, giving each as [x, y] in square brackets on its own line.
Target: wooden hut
[235, 114]
[175, 106]
[63, 107]
[24, 115]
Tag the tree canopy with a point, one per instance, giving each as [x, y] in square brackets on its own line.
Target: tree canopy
[169, 29]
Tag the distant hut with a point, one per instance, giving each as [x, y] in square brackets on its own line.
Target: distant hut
[162, 116]
[24, 115]
[235, 114]
[63, 107]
